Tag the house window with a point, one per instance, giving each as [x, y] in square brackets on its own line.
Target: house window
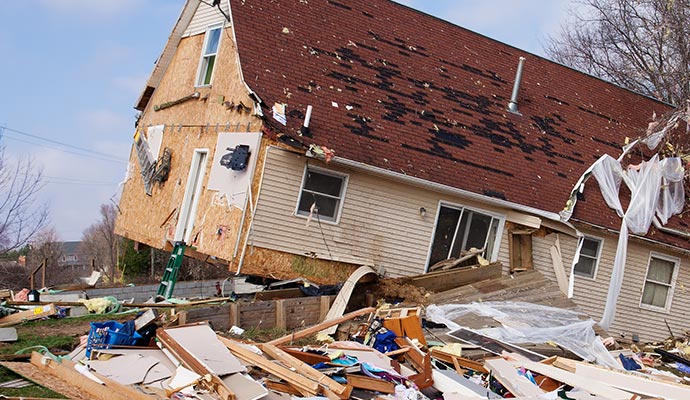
[658, 285]
[208, 56]
[589, 258]
[459, 229]
[323, 189]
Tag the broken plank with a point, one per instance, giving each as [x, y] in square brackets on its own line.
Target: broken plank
[31, 372]
[295, 379]
[633, 383]
[575, 380]
[28, 315]
[303, 369]
[319, 327]
[306, 357]
[64, 370]
[463, 362]
[445, 280]
[368, 383]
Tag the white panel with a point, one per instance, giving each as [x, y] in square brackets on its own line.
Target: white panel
[154, 136]
[233, 184]
[204, 17]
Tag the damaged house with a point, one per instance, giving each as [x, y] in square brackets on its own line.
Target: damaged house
[295, 138]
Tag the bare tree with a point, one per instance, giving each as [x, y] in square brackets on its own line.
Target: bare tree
[643, 45]
[101, 243]
[47, 246]
[21, 217]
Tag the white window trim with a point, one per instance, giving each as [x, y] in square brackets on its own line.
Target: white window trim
[499, 230]
[346, 179]
[187, 216]
[674, 278]
[197, 79]
[596, 264]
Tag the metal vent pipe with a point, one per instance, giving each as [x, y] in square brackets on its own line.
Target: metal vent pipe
[513, 105]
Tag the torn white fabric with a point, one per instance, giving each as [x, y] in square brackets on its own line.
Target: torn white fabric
[672, 193]
[531, 323]
[609, 174]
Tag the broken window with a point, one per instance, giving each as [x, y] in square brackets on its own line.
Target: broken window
[208, 55]
[459, 229]
[324, 190]
[658, 286]
[589, 257]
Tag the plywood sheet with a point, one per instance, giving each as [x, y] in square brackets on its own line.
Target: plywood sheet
[202, 343]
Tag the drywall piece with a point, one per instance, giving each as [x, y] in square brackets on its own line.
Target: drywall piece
[127, 370]
[183, 378]
[202, 343]
[343, 297]
[452, 384]
[575, 380]
[507, 374]
[632, 383]
[244, 387]
[8, 335]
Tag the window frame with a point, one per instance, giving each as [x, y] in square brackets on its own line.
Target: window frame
[671, 286]
[201, 70]
[499, 229]
[596, 262]
[343, 189]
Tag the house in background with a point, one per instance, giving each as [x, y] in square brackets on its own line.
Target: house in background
[73, 259]
[307, 138]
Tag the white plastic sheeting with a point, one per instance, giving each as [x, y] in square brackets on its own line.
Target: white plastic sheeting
[656, 188]
[531, 323]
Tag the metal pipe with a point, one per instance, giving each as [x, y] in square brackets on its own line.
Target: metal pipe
[513, 105]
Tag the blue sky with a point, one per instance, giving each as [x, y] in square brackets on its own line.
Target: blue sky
[71, 70]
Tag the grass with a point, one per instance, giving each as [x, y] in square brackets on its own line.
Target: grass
[262, 335]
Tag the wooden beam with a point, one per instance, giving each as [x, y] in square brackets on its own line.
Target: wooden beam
[507, 374]
[368, 383]
[463, 362]
[445, 280]
[295, 379]
[319, 327]
[64, 370]
[303, 369]
[28, 315]
[306, 357]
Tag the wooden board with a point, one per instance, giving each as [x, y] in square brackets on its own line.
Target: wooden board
[633, 383]
[28, 315]
[31, 372]
[445, 280]
[343, 297]
[368, 383]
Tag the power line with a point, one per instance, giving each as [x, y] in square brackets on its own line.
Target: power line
[111, 159]
[90, 152]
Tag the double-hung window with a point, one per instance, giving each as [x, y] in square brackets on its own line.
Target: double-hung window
[589, 257]
[208, 55]
[460, 229]
[659, 283]
[322, 194]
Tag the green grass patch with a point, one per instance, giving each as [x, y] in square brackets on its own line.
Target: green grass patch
[54, 343]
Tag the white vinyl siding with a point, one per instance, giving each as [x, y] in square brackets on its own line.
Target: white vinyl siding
[204, 17]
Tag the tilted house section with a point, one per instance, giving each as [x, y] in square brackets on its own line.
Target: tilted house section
[410, 155]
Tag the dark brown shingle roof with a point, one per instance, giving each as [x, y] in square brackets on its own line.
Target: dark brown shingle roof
[420, 96]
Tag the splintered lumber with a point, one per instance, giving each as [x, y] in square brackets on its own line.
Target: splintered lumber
[319, 327]
[368, 383]
[506, 373]
[28, 315]
[343, 297]
[420, 361]
[575, 380]
[306, 357]
[633, 383]
[303, 369]
[453, 359]
[191, 362]
[64, 370]
[295, 379]
[31, 372]
[440, 281]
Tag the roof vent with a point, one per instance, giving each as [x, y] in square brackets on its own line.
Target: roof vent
[512, 104]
